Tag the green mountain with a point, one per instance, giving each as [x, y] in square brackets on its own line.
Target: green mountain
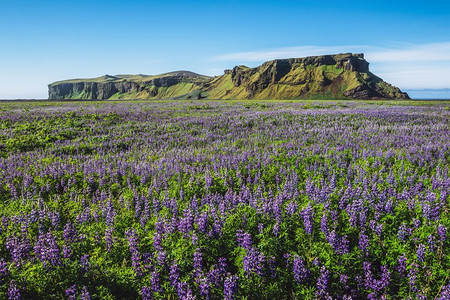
[340, 76]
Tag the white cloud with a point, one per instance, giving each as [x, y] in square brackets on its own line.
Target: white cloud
[412, 53]
[405, 65]
[288, 52]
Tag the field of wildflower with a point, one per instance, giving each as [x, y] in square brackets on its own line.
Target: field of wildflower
[224, 200]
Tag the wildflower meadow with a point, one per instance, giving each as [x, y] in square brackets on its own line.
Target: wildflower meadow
[225, 200]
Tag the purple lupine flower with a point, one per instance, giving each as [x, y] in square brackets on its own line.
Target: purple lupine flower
[46, 249]
[431, 243]
[253, 262]
[133, 241]
[426, 210]
[223, 264]
[276, 229]
[316, 261]
[416, 223]
[401, 267]
[379, 229]
[402, 232]
[368, 279]
[53, 249]
[55, 219]
[157, 242]
[324, 224]
[363, 242]
[110, 213]
[85, 263]
[230, 287]
[291, 208]
[19, 249]
[186, 223]
[344, 245]
[217, 227]
[70, 234]
[445, 293]
[85, 294]
[197, 262]
[271, 264]
[209, 180]
[412, 275]
[343, 279]
[204, 288]
[214, 276]
[159, 226]
[333, 239]
[322, 284]
[174, 274]
[202, 222]
[71, 292]
[156, 285]
[260, 228]
[334, 217]
[13, 291]
[146, 293]
[67, 251]
[385, 278]
[308, 218]
[183, 291]
[421, 253]
[299, 270]
[161, 258]
[244, 239]
[430, 207]
[194, 238]
[442, 233]
[362, 219]
[108, 239]
[4, 271]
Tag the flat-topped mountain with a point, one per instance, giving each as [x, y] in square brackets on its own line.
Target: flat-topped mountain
[340, 76]
[168, 85]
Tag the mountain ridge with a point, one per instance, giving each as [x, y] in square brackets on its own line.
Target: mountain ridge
[338, 76]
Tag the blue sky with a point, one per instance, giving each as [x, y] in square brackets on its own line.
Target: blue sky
[406, 42]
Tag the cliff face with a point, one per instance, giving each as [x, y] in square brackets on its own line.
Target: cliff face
[167, 85]
[340, 76]
[94, 90]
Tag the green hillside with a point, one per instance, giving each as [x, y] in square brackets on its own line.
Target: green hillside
[340, 76]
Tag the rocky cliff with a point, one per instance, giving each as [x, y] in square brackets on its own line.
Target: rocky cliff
[169, 85]
[340, 76]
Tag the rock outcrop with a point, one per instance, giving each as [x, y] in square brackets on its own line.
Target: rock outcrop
[340, 76]
[128, 86]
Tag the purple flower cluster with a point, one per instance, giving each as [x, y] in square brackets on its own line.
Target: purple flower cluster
[230, 287]
[47, 250]
[4, 271]
[13, 291]
[71, 292]
[377, 286]
[322, 284]
[133, 241]
[254, 262]
[308, 218]
[299, 269]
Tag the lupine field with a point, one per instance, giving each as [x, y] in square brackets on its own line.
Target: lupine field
[225, 200]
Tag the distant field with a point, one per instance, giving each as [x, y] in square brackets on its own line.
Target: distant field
[224, 199]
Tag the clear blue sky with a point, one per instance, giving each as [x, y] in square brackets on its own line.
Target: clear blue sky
[407, 42]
